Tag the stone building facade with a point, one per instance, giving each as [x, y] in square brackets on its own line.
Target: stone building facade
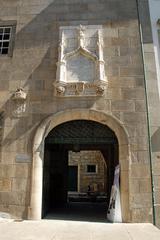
[73, 60]
[155, 26]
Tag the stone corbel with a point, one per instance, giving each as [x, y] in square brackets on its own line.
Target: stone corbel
[19, 95]
[19, 100]
[60, 90]
[100, 90]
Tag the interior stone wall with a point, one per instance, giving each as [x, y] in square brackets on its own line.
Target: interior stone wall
[98, 180]
[33, 67]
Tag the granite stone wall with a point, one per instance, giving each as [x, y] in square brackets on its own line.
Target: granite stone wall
[98, 180]
[33, 68]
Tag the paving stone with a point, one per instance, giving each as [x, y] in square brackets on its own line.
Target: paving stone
[59, 230]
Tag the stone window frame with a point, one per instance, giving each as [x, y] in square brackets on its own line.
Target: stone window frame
[12, 24]
[63, 87]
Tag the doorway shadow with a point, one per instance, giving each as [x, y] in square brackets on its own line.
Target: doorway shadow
[77, 136]
[80, 211]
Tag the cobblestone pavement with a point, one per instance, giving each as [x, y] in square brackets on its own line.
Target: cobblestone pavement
[69, 230]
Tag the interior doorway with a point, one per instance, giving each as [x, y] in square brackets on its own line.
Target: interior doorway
[72, 178]
[68, 190]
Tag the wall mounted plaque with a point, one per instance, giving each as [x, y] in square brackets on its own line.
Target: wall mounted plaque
[80, 67]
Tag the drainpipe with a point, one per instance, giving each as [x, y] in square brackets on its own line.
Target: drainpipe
[148, 118]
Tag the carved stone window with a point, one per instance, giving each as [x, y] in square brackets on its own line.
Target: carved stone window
[80, 67]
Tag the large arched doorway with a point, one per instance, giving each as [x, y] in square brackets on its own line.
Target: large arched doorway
[35, 208]
[78, 169]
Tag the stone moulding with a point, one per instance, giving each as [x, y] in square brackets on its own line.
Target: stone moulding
[80, 66]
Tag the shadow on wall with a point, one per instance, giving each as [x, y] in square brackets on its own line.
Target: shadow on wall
[155, 140]
[35, 55]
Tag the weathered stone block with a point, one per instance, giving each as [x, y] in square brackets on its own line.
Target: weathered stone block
[120, 41]
[20, 184]
[140, 105]
[141, 215]
[18, 212]
[157, 196]
[143, 157]
[22, 170]
[131, 71]
[134, 117]
[123, 106]
[135, 93]
[5, 185]
[139, 200]
[6, 171]
[157, 208]
[145, 185]
[128, 32]
[157, 181]
[138, 170]
[135, 185]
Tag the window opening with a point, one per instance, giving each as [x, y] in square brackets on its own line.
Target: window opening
[91, 168]
[5, 37]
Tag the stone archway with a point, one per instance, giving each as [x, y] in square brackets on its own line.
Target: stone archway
[54, 120]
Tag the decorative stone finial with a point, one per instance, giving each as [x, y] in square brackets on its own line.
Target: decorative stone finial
[81, 36]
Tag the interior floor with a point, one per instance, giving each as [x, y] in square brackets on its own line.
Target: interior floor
[80, 211]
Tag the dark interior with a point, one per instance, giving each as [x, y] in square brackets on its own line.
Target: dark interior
[75, 136]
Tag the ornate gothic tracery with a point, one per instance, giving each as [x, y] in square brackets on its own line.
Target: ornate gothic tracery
[80, 67]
